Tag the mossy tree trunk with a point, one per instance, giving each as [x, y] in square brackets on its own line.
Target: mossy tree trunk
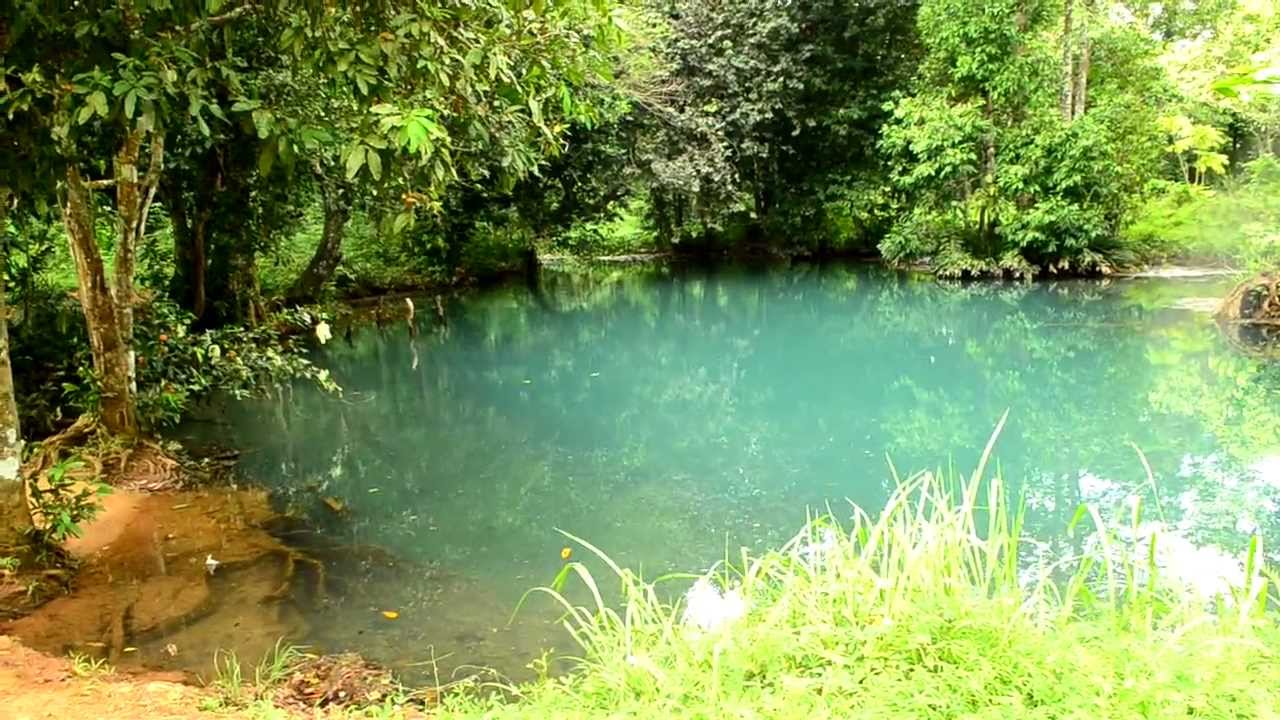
[108, 302]
[15, 519]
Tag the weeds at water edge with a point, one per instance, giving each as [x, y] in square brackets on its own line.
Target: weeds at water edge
[932, 608]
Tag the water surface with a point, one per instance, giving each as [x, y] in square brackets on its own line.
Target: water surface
[673, 415]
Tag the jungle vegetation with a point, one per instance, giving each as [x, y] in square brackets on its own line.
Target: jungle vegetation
[181, 181]
[186, 184]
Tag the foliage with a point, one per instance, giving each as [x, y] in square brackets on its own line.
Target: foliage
[761, 109]
[1197, 148]
[989, 176]
[1237, 224]
[85, 666]
[178, 366]
[63, 499]
[923, 610]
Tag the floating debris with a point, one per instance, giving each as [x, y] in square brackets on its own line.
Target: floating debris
[390, 614]
[210, 565]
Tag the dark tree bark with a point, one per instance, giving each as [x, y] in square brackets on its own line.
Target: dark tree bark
[328, 254]
[190, 220]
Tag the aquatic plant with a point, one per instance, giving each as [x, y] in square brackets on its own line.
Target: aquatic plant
[929, 609]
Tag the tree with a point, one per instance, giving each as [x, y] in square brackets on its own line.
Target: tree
[998, 163]
[103, 82]
[15, 520]
[413, 101]
[763, 109]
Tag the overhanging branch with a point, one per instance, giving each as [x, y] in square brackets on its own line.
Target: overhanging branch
[220, 20]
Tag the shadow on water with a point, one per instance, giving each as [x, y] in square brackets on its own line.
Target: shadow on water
[671, 414]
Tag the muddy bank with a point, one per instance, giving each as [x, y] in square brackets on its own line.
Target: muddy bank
[167, 579]
[34, 685]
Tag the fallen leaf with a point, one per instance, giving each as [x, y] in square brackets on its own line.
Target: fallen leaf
[390, 614]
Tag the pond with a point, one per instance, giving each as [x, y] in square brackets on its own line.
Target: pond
[673, 415]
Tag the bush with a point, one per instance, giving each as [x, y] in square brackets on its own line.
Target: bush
[177, 366]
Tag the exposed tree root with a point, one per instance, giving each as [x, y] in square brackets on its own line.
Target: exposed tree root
[1250, 315]
[144, 464]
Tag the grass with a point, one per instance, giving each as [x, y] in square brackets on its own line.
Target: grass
[89, 667]
[935, 608]
[233, 689]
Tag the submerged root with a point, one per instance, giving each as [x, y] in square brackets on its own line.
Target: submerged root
[291, 559]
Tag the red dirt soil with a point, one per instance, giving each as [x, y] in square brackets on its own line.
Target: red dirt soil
[34, 686]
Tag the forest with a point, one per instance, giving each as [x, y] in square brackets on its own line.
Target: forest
[192, 192]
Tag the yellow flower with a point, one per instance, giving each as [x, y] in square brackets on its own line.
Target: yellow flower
[566, 553]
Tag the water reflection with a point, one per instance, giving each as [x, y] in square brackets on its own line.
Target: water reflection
[671, 415]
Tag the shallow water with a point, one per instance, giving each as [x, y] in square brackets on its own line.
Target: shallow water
[673, 415]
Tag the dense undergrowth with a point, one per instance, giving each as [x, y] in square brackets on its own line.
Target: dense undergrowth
[1237, 225]
[932, 609]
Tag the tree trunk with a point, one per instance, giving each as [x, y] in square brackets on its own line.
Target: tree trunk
[1068, 62]
[111, 356]
[108, 307]
[132, 205]
[337, 210]
[187, 287]
[1080, 91]
[15, 518]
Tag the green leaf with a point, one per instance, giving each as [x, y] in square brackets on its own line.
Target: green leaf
[402, 221]
[266, 158]
[130, 103]
[355, 160]
[566, 100]
[98, 101]
[86, 112]
[375, 164]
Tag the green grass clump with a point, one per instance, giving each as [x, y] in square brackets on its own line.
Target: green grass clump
[933, 609]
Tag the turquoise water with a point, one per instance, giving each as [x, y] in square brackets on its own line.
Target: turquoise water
[674, 415]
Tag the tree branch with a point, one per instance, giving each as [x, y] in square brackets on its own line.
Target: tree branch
[220, 20]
